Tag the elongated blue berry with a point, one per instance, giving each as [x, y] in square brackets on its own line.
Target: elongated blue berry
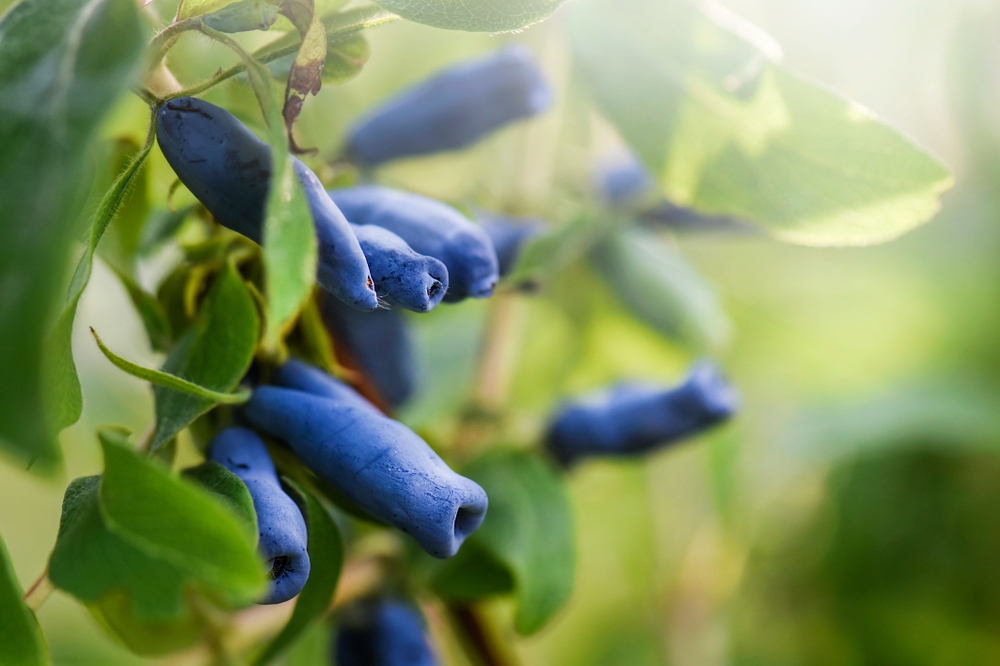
[509, 234]
[415, 281]
[453, 109]
[635, 418]
[229, 170]
[432, 228]
[384, 632]
[283, 536]
[380, 345]
[379, 464]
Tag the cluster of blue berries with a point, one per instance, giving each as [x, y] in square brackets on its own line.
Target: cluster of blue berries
[380, 250]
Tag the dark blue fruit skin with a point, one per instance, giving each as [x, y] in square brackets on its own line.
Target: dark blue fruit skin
[453, 109]
[635, 418]
[283, 535]
[229, 169]
[379, 464]
[385, 633]
[509, 234]
[380, 343]
[415, 281]
[431, 228]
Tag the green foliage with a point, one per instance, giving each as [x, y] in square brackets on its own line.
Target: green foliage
[62, 380]
[895, 566]
[62, 63]
[164, 560]
[326, 555]
[219, 481]
[166, 380]
[139, 545]
[727, 130]
[660, 288]
[21, 642]
[526, 540]
[474, 15]
[214, 354]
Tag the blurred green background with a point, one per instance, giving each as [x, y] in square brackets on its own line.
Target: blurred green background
[851, 515]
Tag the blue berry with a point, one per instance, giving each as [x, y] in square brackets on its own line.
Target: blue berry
[509, 234]
[380, 344]
[431, 228]
[453, 109]
[379, 464]
[229, 169]
[383, 633]
[283, 537]
[631, 419]
[415, 281]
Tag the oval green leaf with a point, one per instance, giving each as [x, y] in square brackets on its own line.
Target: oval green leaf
[729, 131]
[474, 15]
[62, 65]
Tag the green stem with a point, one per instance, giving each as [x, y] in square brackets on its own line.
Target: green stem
[166, 38]
[269, 53]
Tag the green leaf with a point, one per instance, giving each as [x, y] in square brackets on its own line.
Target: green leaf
[142, 598]
[137, 595]
[21, 641]
[545, 255]
[290, 253]
[218, 480]
[153, 317]
[120, 245]
[528, 531]
[474, 15]
[62, 65]
[63, 384]
[698, 95]
[167, 380]
[655, 283]
[326, 556]
[179, 523]
[213, 354]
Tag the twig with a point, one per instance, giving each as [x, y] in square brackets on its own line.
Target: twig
[39, 592]
[478, 638]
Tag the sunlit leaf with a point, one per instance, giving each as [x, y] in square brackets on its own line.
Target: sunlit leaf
[727, 130]
[474, 15]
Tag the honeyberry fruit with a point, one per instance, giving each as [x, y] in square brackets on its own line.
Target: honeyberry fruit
[413, 280]
[377, 463]
[453, 109]
[631, 419]
[283, 536]
[380, 344]
[431, 228]
[385, 632]
[229, 169]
